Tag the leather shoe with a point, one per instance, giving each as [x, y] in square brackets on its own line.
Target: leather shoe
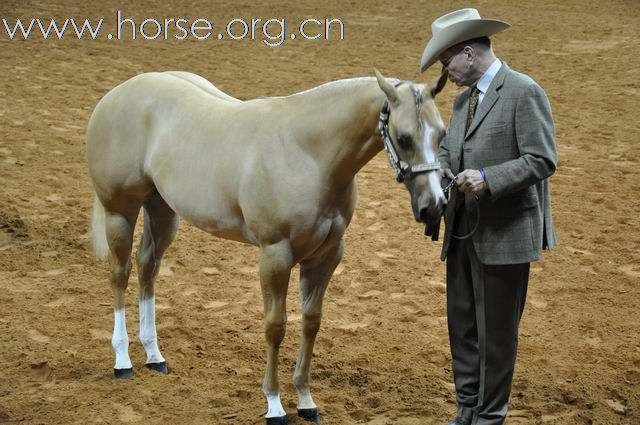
[463, 418]
[460, 421]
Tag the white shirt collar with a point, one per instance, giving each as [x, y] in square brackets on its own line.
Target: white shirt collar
[487, 77]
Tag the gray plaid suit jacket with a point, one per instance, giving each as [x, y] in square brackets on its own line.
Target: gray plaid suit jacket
[512, 136]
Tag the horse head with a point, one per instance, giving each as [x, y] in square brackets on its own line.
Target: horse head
[411, 128]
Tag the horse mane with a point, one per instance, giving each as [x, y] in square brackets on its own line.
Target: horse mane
[345, 83]
[330, 86]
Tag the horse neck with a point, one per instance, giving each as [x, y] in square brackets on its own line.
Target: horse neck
[338, 126]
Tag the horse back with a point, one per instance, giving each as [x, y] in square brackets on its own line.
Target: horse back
[202, 84]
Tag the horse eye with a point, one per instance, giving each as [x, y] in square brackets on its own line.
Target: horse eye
[404, 140]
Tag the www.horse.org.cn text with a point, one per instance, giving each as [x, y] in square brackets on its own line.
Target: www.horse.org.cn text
[271, 31]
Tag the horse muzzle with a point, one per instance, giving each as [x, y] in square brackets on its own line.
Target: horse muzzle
[431, 213]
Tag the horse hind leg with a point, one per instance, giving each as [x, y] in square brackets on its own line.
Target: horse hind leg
[275, 270]
[160, 227]
[314, 279]
[119, 228]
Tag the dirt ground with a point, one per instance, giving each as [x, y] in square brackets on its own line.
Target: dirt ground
[382, 355]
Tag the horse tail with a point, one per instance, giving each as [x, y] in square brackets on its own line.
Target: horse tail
[99, 243]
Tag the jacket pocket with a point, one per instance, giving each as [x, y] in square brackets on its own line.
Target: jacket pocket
[517, 202]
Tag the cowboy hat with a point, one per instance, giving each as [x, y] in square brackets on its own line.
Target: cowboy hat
[454, 28]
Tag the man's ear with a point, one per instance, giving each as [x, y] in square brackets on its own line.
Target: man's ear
[388, 89]
[438, 85]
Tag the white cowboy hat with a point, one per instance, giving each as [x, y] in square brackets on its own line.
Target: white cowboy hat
[454, 28]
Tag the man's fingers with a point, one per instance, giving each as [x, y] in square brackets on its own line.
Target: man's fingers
[468, 183]
[448, 174]
[462, 179]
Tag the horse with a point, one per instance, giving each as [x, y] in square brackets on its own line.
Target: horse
[274, 172]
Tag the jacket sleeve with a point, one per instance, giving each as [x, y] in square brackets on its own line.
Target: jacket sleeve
[535, 137]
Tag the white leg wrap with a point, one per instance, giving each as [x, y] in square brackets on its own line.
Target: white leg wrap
[120, 340]
[148, 335]
[275, 409]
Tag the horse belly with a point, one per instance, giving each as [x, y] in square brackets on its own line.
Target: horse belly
[199, 185]
[216, 217]
[201, 194]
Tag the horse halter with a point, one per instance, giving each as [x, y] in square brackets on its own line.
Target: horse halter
[403, 170]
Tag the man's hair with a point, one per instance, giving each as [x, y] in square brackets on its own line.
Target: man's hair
[483, 42]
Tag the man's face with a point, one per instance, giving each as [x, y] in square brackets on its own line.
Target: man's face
[458, 62]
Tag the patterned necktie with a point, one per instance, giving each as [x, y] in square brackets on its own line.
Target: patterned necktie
[473, 104]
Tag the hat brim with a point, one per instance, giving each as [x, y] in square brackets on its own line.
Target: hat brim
[457, 33]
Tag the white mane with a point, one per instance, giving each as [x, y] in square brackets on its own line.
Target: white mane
[339, 84]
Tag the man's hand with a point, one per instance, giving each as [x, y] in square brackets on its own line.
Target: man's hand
[471, 182]
[446, 173]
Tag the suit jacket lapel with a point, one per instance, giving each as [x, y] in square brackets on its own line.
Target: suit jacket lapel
[490, 98]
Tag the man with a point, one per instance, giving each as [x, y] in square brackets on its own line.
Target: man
[500, 147]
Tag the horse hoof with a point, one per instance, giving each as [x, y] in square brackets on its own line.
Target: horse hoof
[309, 415]
[278, 420]
[123, 373]
[159, 367]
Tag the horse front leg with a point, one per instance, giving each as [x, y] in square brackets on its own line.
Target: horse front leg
[314, 279]
[275, 269]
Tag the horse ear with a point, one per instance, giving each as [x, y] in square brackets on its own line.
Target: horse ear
[388, 89]
[439, 85]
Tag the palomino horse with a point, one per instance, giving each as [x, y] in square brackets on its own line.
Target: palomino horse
[278, 173]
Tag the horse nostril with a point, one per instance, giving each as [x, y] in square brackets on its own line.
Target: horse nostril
[424, 214]
[431, 214]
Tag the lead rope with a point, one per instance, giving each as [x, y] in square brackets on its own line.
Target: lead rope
[468, 235]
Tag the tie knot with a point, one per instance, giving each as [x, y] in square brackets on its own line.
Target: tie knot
[475, 91]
